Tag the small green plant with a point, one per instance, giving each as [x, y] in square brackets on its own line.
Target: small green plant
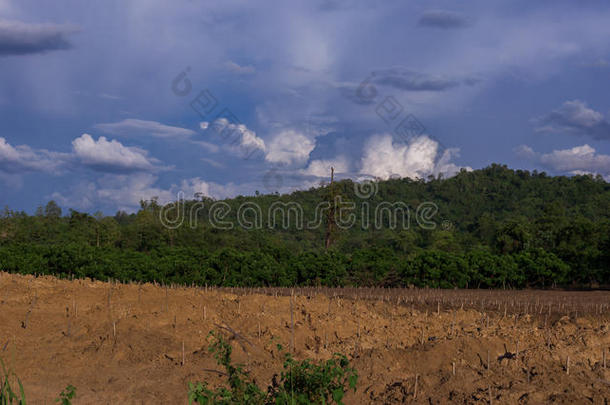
[300, 382]
[66, 396]
[7, 393]
[306, 382]
[242, 389]
[9, 397]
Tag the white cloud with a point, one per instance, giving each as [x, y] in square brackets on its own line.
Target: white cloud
[101, 155]
[525, 152]
[210, 147]
[22, 158]
[235, 138]
[136, 127]
[444, 165]
[193, 186]
[109, 96]
[289, 147]
[249, 140]
[111, 156]
[419, 158]
[81, 196]
[321, 168]
[582, 158]
[576, 160]
[124, 192]
[212, 162]
[239, 69]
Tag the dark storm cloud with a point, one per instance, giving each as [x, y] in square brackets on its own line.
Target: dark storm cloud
[350, 92]
[400, 79]
[19, 38]
[310, 58]
[574, 117]
[408, 80]
[442, 19]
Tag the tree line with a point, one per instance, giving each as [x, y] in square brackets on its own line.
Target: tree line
[494, 228]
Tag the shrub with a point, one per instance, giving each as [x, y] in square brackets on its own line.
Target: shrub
[300, 382]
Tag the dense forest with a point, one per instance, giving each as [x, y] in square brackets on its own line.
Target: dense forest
[488, 228]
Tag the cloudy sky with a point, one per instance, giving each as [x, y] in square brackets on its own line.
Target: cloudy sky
[107, 103]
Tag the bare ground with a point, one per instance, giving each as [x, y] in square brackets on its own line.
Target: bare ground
[122, 344]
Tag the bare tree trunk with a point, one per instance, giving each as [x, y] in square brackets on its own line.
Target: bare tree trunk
[331, 212]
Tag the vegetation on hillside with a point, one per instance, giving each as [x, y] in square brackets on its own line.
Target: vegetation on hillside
[494, 227]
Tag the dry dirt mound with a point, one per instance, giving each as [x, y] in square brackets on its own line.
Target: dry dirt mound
[123, 344]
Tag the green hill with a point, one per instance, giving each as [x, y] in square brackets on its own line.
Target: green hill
[493, 227]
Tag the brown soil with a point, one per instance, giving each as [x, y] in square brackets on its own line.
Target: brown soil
[122, 344]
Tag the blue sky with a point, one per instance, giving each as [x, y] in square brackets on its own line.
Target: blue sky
[104, 104]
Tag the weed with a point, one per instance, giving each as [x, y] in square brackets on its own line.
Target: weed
[300, 382]
[7, 393]
[9, 397]
[66, 396]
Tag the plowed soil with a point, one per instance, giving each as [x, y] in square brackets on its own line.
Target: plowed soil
[123, 344]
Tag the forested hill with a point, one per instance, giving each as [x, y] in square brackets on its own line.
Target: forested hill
[493, 227]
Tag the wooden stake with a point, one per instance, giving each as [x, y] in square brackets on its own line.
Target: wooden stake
[292, 320]
[487, 359]
[568, 366]
[183, 353]
[546, 318]
[453, 364]
[69, 321]
[415, 389]
[166, 298]
[452, 322]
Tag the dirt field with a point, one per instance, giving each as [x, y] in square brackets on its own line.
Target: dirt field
[123, 344]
